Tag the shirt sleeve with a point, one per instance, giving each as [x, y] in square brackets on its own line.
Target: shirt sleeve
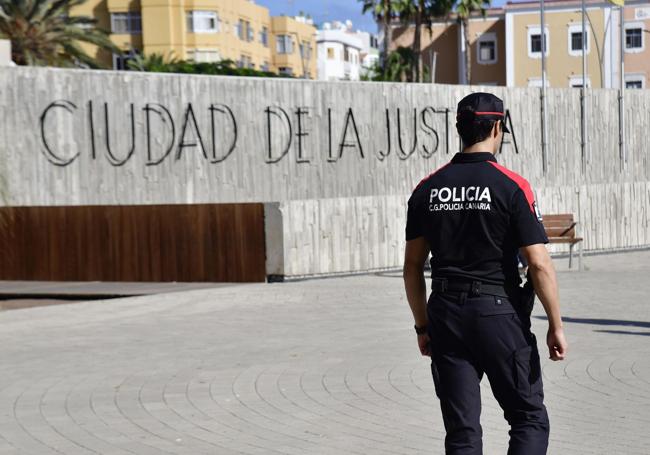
[527, 221]
[414, 218]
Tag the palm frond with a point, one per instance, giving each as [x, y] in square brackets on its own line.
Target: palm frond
[77, 55]
[42, 32]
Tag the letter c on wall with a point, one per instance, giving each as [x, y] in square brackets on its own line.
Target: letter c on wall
[49, 154]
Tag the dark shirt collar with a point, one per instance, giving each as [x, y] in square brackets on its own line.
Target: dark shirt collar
[474, 157]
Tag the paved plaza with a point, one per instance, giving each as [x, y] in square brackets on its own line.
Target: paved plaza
[327, 366]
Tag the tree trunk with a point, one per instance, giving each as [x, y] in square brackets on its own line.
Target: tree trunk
[17, 51]
[387, 30]
[417, 37]
[468, 52]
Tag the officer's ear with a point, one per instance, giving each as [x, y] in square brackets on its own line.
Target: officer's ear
[496, 129]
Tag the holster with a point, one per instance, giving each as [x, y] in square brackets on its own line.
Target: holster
[527, 296]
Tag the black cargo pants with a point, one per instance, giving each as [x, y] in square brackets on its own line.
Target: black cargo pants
[476, 334]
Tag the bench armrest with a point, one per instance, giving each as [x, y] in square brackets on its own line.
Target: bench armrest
[574, 224]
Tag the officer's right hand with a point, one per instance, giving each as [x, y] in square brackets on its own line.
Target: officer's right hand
[424, 344]
[557, 345]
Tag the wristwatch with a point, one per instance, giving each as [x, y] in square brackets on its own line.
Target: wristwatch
[420, 330]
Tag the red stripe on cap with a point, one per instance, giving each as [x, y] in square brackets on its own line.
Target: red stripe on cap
[488, 113]
[430, 175]
[520, 181]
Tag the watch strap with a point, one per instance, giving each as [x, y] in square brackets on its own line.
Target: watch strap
[420, 330]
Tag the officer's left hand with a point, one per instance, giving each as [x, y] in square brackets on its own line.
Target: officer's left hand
[423, 344]
[557, 345]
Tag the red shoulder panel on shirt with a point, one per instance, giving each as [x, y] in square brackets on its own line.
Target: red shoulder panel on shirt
[520, 181]
[430, 175]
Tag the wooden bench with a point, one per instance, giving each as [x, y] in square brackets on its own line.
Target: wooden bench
[561, 228]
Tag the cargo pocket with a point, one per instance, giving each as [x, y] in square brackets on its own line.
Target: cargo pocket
[527, 372]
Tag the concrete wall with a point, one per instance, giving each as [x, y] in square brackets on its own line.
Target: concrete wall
[339, 194]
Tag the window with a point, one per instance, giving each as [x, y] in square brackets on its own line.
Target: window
[634, 37]
[126, 23]
[305, 50]
[245, 61]
[535, 42]
[264, 36]
[346, 53]
[202, 22]
[330, 53]
[284, 45]
[486, 52]
[634, 81]
[120, 23]
[576, 40]
[285, 71]
[537, 82]
[121, 61]
[265, 66]
[487, 49]
[204, 55]
[244, 30]
[576, 81]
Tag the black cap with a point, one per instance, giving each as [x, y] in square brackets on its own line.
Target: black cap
[481, 105]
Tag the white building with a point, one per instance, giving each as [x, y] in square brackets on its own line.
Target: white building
[340, 51]
[5, 53]
[369, 52]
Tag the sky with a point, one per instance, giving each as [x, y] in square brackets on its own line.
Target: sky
[329, 10]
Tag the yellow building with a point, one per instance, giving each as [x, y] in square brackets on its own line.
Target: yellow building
[294, 46]
[206, 31]
[506, 45]
[563, 35]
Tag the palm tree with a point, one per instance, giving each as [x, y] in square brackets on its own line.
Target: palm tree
[464, 9]
[399, 65]
[421, 12]
[157, 63]
[383, 11]
[43, 33]
[396, 68]
[414, 11]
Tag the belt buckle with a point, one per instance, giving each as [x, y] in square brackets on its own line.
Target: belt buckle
[476, 288]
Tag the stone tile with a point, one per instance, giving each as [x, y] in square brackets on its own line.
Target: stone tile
[324, 366]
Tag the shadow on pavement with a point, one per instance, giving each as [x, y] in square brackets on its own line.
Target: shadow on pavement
[624, 332]
[619, 322]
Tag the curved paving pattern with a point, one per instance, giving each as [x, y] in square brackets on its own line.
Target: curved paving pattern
[314, 367]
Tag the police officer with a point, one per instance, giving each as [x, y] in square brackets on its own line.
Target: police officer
[474, 216]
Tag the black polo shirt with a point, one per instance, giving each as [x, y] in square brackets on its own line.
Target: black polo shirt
[475, 214]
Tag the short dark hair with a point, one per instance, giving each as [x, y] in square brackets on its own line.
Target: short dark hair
[472, 129]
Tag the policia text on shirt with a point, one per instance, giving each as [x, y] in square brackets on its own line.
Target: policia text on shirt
[475, 216]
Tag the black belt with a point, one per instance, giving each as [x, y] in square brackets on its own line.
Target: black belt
[471, 287]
